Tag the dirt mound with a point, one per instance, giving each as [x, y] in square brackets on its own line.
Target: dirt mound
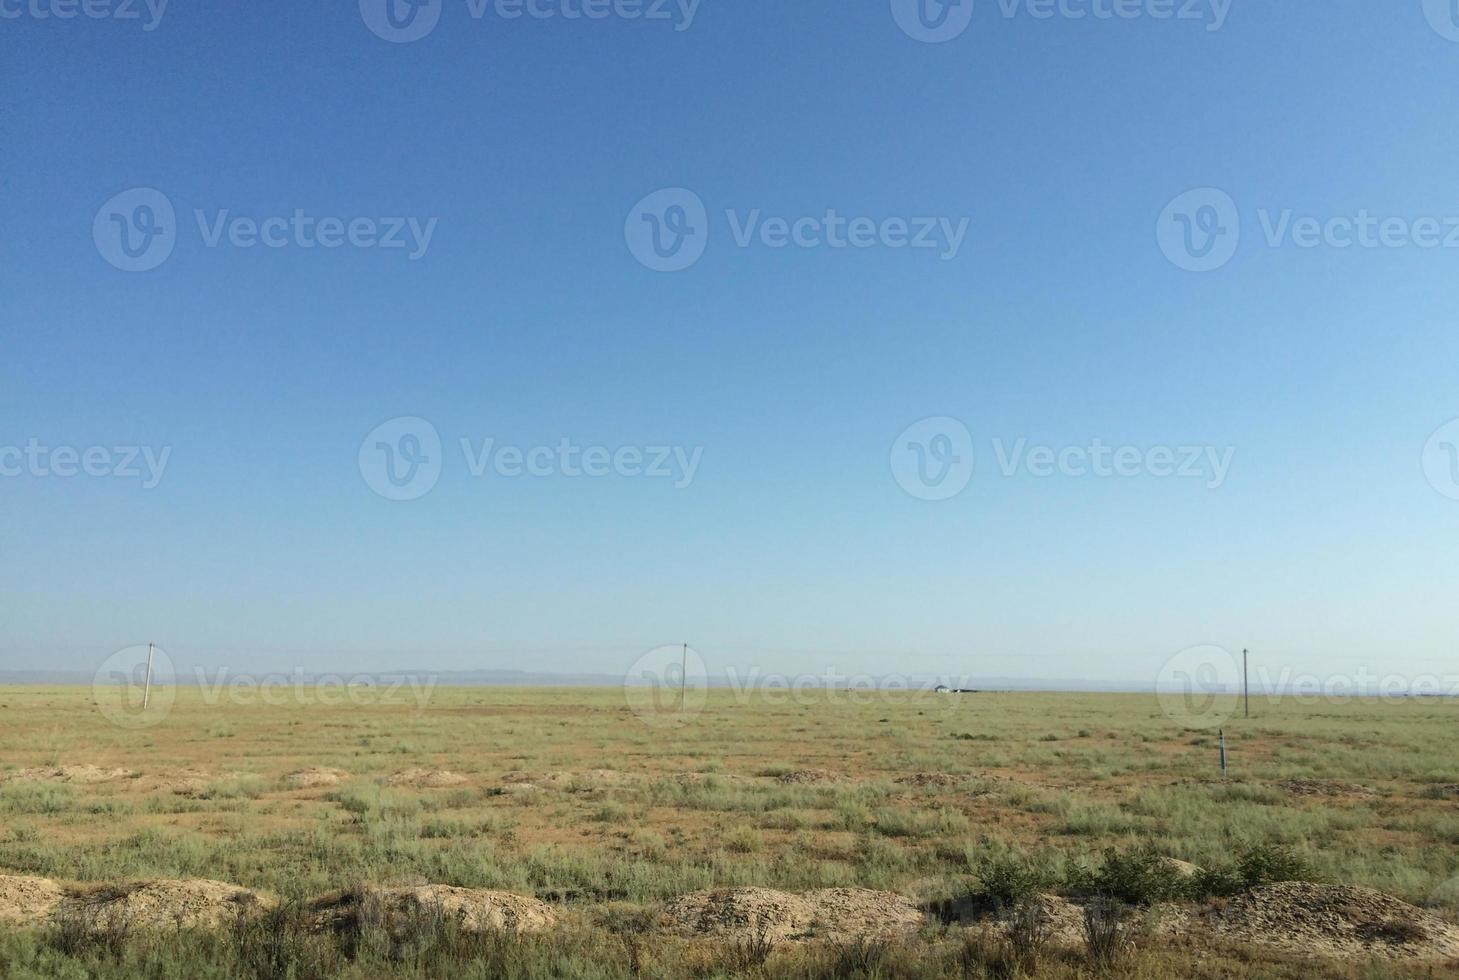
[182, 782]
[930, 779]
[1335, 921]
[740, 910]
[782, 915]
[401, 909]
[27, 901]
[310, 778]
[586, 780]
[70, 774]
[804, 776]
[1323, 787]
[190, 903]
[426, 778]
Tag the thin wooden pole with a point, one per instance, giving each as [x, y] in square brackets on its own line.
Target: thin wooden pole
[683, 676]
[147, 689]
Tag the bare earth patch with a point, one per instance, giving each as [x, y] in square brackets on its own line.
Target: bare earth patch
[69, 774]
[182, 782]
[190, 903]
[426, 778]
[475, 910]
[783, 915]
[1340, 921]
[1323, 787]
[310, 778]
[930, 779]
[804, 776]
[26, 901]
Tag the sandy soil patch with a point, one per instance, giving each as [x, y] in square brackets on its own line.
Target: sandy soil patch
[315, 777]
[426, 778]
[398, 909]
[26, 901]
[930, 779]
[783, 915]
[804, 776]
[1323, 788]
[1340, 921]
[68, 774]
[189, 903]
[182, 782]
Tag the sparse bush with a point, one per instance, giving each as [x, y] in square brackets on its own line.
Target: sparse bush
[1104, 930]
[1028, 932]
[1262, 864]
[1011, 879]
[985, 956]
[750, 951]
[1142, 876]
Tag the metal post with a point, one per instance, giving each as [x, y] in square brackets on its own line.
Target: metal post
[683, 676]
[147, 688]
[1223, 752]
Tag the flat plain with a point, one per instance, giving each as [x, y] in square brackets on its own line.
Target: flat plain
[620, 824]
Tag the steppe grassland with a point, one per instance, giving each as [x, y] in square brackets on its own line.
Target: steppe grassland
[568, 795]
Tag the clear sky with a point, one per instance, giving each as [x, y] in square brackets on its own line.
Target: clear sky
[788, 374]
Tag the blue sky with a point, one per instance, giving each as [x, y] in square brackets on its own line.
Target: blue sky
[794, 371]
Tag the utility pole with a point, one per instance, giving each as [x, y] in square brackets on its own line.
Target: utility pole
[683, 676]
[147, 688]
[1245, 684]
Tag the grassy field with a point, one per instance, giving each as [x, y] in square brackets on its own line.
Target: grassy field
[569, 796]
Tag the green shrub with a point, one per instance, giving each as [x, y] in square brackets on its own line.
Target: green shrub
[1142, 876]
[1009, 879]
